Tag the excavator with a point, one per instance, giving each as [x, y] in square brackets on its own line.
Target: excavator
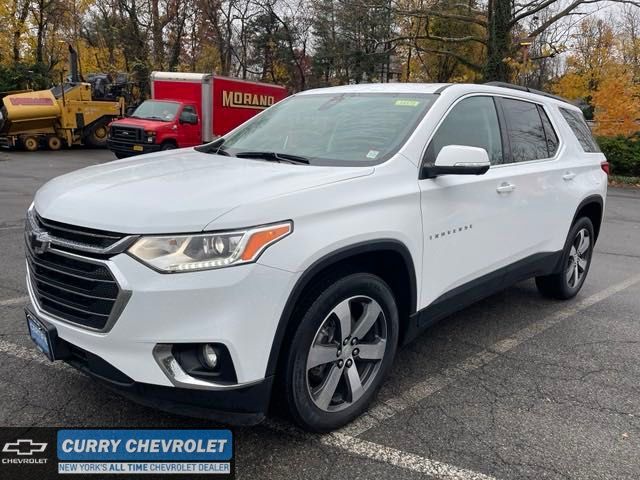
[72, 113]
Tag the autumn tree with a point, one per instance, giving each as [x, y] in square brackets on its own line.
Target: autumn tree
[617, 103]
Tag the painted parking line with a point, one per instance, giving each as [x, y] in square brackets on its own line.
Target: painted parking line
[400, 459]
[381, 453]
[14, 301]
[388, 408]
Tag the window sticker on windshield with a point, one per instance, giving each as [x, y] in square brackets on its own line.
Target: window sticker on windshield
[372, 154]
[407, 103]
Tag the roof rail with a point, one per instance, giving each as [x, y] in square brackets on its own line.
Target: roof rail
[527, 89]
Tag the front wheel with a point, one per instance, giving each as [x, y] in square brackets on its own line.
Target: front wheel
[341, 351]
[576, 260]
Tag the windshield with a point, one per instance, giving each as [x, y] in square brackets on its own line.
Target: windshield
[155, 110]
[334, 129]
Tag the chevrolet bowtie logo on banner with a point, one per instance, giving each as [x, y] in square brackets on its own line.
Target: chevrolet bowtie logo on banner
[50, 453]
[24, 447]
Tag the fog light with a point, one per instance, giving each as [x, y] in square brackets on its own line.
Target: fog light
[209, 356]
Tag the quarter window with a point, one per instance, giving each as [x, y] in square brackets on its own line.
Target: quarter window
[580, 129]
[549, 132]
[526, 131]
[473, 122]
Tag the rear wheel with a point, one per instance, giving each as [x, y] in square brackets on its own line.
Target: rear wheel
[341, 351]
[576, 260]
[97, 136]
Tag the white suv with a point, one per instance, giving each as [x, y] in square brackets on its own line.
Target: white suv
[293, 256]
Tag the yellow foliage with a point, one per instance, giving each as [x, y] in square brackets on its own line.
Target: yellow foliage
[596, 70]
[572, 86]
[617, 104]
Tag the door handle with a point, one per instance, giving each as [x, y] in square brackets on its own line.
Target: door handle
[569, 176]
[506, 187]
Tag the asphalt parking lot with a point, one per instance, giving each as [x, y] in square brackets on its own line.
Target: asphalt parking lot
[513, 387]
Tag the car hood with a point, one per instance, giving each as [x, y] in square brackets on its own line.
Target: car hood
[174, 191]
[140, 123]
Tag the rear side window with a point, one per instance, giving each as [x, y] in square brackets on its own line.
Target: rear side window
[473, 122]
[580, 130]
[549, 132]
[526, 131]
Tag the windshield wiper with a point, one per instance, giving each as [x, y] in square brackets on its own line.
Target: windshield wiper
[214, 148]
[274, 157]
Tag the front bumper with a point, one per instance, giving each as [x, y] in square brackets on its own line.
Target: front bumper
[240, 406]
[127, 148]
[238, 307]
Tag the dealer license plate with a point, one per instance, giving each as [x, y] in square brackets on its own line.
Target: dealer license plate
[40, 335]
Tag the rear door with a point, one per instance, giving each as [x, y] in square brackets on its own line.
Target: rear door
[536, 172]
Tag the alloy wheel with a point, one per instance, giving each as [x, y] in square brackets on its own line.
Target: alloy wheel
[346, 354]
[579, 257]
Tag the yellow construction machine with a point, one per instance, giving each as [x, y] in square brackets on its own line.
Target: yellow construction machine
[72, 113]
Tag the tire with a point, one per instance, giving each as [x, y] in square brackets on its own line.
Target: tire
[319, 358]
[97, 136]
[120, 155]
[168, 146]
[30, 143]
[54, 143]
[576, 260]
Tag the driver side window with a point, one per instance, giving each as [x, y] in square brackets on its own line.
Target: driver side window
[472, 122]
[188, 109]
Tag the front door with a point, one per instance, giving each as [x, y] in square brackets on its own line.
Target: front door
[467, 219]
[189, 134]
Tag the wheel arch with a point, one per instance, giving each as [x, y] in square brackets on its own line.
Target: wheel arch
[170, 140]
[357, 257]
[591, 207]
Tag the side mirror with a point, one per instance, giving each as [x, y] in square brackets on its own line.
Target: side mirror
[458, 160]
[188, 117]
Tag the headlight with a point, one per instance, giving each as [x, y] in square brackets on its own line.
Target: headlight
[187, 253]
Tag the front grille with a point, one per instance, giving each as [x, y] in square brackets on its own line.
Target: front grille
[74, 290]
[80, 236]
[127, 134]
[75, 287]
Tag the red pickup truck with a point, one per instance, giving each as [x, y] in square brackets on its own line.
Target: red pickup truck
[188, 109]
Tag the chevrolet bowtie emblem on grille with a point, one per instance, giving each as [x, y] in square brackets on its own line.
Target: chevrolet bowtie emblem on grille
[40, 242]
[24, 447]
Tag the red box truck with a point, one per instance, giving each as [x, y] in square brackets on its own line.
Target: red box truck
[188, 109]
